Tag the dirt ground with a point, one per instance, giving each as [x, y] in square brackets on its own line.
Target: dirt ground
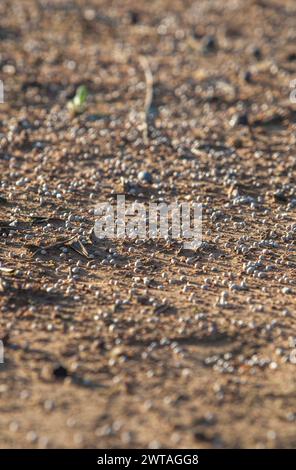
[121, 344]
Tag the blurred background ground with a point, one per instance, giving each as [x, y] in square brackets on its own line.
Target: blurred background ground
[182, 349]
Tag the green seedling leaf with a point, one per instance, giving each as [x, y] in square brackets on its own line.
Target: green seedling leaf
[78, 103]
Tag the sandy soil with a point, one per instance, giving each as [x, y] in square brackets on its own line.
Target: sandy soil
[181, 349]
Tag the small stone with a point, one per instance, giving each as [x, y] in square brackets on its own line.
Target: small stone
[248, 76]
[257, 53]
[239, 120]
[145, 176]
[31, 436]
[14, 426]
[48, 405]
[209, 44]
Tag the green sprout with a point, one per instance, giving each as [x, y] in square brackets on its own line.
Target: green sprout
[78, 104]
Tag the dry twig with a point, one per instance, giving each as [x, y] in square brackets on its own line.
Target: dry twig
[148, 96]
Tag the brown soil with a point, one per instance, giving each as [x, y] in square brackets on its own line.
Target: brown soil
[96, 358]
